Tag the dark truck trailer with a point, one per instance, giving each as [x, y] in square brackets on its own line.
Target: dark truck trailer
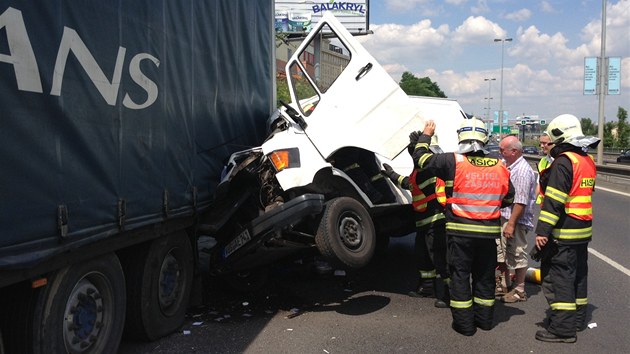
[116, 118]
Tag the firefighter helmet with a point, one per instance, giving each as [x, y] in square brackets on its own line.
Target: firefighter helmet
[472, 129]
[565, 128]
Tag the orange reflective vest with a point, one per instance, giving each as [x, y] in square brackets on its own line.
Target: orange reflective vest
[419, 200]
[478, 190]
[579, 203]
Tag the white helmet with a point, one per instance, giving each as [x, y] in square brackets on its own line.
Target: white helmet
[472, 129]
[566, 128]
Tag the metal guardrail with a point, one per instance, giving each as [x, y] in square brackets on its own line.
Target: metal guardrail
[604, 169]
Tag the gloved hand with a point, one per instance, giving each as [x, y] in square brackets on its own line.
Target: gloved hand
[389, 172]
[413, 137]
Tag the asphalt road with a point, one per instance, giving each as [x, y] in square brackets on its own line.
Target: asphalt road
[368, 311]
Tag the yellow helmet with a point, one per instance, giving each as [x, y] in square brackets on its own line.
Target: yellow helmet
[472, 129]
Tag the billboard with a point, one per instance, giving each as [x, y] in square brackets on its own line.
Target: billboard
[298, 17]
[614, 76]
[590, 76]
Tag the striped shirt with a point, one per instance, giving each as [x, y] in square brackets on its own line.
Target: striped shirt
[524, 181]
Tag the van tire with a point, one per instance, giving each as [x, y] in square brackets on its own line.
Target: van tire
[346, 235]
[159, 280]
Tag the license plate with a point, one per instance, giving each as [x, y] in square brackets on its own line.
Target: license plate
[236, 243]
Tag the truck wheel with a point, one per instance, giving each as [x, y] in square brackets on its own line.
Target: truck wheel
[159, 281]
[346, 233]
[82, 309]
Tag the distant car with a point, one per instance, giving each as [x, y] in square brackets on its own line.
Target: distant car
[624, 157]
[530, 150]
[494, 150]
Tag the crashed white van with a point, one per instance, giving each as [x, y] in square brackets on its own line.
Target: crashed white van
[316, 182]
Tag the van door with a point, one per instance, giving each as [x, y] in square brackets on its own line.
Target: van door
[346, 97]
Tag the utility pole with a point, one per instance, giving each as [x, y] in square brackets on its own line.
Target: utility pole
[489, 98]
[502, 40]
[602, 94]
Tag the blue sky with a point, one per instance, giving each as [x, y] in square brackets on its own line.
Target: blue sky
[451, 41]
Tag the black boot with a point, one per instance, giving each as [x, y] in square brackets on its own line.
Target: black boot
[442, 296]
[425, 289]
[546, 336]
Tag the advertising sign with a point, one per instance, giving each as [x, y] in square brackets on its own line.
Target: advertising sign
[590, 76]
[614, 75]
[505, 118]
[299, 16]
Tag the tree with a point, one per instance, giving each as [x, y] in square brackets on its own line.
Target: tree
[623, 129]
[419, 86]
[609, 140]
[588, 128]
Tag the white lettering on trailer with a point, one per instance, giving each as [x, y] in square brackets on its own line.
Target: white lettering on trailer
[22, 56]
[26, 70]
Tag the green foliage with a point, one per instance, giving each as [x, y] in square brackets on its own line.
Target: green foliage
[419, 86]
[588, 128]
[609, 140]
[623, 129]
[303, 88]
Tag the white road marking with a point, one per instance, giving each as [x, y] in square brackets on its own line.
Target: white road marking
[623, 269]
[597, 188]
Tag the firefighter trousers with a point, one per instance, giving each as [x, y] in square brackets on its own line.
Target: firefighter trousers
[436, 246]
[564, 283]
[476, 257]
[422, 252]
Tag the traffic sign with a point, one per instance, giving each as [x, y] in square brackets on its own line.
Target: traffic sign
[542, 122]
[506, 129]
[523, 122]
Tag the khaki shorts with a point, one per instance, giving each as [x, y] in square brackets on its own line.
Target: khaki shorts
[513, 251]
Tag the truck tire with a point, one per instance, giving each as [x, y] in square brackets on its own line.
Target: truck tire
[159, 280]
[82, 309]
[346, 235]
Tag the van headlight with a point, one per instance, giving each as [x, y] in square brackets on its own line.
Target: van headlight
[285, 158]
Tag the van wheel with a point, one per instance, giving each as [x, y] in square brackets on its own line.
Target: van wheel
[346, 233]
[159, 281]
[82, 309]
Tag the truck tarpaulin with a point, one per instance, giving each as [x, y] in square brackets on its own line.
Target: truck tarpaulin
[119, 114]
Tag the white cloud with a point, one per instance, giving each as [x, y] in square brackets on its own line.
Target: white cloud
[617, 29]
[404, 5]
[542, 49]
[519, 16]
[477, 30]
[480, 8]
[456, 2]
[546, 7]
[543, 72]
[392, 43]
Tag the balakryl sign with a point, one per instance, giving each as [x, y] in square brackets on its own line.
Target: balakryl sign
[298, 16]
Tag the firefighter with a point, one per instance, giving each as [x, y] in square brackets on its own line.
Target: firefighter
[564, 228]
[545, 161]
[478, 186]
[428, 201]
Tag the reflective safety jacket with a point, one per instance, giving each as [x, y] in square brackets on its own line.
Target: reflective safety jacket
[478, 191]
[428, 198]
[543, 164]
[477, 186]
[567, 210]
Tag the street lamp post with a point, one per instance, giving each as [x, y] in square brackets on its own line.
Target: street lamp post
[489, 98]
[502, 40]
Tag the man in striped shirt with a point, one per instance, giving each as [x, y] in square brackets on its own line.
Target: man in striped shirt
[516, 220]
